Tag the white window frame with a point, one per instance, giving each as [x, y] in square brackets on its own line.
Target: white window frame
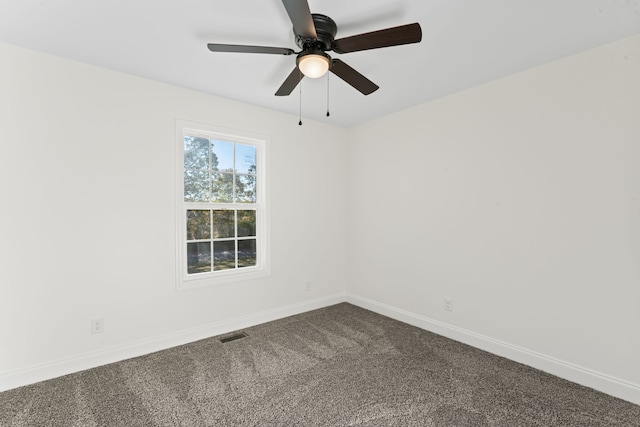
[262, 268]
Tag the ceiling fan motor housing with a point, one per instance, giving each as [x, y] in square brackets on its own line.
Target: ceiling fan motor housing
[326, 30]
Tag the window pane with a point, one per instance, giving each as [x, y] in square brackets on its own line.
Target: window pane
[224, 255]
[246, 253]
[223, 154]
[246, 188]
[223, 224]
[196, 153]
[245, 158]
[196, 186]
[222, 187]
[198, 224]
[198, 257]
[246, 223]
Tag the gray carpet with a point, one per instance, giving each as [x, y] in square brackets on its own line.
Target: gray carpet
[338, 366]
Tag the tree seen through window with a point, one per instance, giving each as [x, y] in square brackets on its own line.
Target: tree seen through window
[220, 191]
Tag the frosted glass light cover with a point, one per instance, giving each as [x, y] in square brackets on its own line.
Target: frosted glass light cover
[313, 65]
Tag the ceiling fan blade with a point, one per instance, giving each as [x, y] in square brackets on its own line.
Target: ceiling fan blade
[353, 77]
[404, 34]
[215, 47]
[290, 83]
[301, 18]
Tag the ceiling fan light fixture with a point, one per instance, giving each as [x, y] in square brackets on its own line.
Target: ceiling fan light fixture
[314, 65]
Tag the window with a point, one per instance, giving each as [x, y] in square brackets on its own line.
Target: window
[221, 197]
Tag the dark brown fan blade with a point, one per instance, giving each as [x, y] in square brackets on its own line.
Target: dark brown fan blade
[301, 18]
[353, 77]
[404, 34]
[214, 47]
[290, 83]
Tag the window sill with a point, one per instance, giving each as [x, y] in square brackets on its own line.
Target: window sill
[212, 279]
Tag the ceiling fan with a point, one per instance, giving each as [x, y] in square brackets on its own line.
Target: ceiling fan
[315, 35]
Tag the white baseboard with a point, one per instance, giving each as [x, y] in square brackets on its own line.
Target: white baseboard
[33, 374]
[577, 374]
[580, 375]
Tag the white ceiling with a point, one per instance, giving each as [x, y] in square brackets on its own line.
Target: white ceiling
[465, 43]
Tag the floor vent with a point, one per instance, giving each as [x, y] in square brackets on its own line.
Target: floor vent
[233, 337]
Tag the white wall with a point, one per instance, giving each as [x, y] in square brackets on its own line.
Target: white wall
[519, 199]
[87, 225]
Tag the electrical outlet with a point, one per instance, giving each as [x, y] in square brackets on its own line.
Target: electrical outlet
[308, 286]
[97, 325]
[448, 304]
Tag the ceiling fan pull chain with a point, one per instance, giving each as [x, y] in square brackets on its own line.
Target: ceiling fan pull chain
[300, 106]
[328, 95]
